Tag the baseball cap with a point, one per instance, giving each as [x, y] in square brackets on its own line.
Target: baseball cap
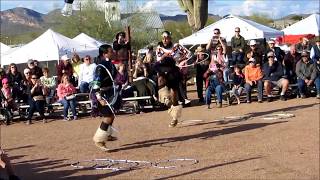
[252, 42]
[65, 57]
[30, 61]
[271, 41]
[5, 80]
[252, 60]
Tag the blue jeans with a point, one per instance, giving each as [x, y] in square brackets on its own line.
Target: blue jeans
[302, 85]
[66, 104]
[226, 72]
[237, 58]
[84, 87]
[35, 105]
[216, 87]
[248, 88]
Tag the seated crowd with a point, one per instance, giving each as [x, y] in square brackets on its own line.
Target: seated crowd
[238, 72]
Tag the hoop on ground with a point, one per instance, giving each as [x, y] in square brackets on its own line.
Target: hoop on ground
[278, 116]
[232, 118]
[117, 165]
[109, 164]
[84, 164]
[175, 163]
[193, 121]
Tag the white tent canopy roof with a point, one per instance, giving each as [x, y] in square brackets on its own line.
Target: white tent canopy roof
[4, 48]
[249, 30]
[86, 40]
[47, 47]
[309, 25]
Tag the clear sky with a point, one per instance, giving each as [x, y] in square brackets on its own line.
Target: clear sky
[273, 8]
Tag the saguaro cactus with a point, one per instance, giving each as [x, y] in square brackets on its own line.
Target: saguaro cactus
[197, 12]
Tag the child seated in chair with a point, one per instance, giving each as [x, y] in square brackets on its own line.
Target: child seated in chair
[50, 83]
[7, 100]
[238, 82]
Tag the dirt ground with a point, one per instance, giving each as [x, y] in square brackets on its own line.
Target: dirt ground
[244, 149]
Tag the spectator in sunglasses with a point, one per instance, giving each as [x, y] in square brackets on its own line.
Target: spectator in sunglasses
[273, 76]
[237, 45]
[86, 74]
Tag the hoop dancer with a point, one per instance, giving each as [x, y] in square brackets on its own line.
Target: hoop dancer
[169, 77]
[104, 96]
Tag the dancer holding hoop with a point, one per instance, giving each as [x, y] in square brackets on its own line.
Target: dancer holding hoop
[104, 94]
[169, 77]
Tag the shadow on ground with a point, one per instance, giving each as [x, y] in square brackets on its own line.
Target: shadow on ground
[202, 135]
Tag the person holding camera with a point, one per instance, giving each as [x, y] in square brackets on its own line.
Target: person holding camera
[253, 77]
[66, 94]
[215, 41]
[37, 92]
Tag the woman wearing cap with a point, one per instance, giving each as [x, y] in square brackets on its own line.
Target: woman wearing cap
[253, 78]
[169, 77]
[254, 52]
[2, 75]
[65, 68]
[8, 100]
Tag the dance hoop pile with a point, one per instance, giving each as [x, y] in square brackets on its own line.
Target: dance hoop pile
[126, 165]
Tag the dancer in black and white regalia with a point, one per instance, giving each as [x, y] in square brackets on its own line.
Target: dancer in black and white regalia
[104, 96]
[169, 77]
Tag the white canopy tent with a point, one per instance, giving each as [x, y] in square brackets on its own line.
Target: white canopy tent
[309, 25]
[87, 41]
[47, 47]
[4, 48]
[249, 30]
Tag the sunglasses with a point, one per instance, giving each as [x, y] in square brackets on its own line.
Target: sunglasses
[252, 62]
[236, 31]
[270, 56]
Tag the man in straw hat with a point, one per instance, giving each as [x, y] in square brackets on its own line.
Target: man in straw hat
[201, 67]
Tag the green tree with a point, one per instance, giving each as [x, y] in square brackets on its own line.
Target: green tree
[261, 18]
[296, 18]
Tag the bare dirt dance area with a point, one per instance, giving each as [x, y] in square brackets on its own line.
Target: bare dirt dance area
[250, 148]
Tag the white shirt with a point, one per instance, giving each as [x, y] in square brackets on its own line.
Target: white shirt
[86, 73]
